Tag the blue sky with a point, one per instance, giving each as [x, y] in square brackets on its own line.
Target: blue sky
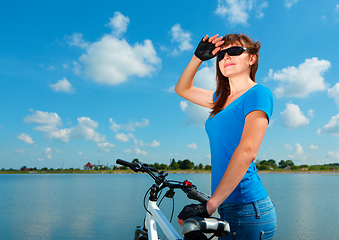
[85, 81]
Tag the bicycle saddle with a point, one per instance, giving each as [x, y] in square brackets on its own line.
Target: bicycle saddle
[195, 227]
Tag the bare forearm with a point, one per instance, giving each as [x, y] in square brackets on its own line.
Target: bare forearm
[236, 170]
[186, 80]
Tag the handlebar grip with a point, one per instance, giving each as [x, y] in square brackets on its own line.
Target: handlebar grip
[134, 166]
[195, 195]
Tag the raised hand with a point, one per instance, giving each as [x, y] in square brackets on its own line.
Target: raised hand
[208, 47]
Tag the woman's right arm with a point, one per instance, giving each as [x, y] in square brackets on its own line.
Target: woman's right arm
[184, 87]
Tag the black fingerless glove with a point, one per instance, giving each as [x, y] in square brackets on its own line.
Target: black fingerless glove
[193, 210]
[204, 50]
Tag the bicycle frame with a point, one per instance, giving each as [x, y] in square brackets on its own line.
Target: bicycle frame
[158, 217]
[196, 226]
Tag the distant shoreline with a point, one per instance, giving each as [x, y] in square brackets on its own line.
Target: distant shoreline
[169, 171]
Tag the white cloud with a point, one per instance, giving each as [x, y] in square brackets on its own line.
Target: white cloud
[334, 93]
[152, 144]
[129, 126]
[298, 153]
[290, 3]
[197, 115]
[292, 117]
[85, 130]
[206, 78]
[25, 138]
[76, 39]
[182, 37]
[80, 153]
[106, 146]
[45, 118]
[183, 105]
[288, 146]
[259, 9]
[76, 68]
[337, 8]
[313, 147]
[118, 24]
[136, 151]
[170, 89]
[300, 81]
[310, 113]
[192, 146]
[19, 150]
[111, 60]
[140, 152]
[123, 137]
[332, 127]
[48, 150]
[50, 68]
[236, 11]
[332, 154]
[41, 159]
[50, 122]
[63, 86]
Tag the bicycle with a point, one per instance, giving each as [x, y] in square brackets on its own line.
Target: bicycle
[193, 228]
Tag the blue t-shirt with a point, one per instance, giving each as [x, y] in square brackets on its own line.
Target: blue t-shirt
[224, 131]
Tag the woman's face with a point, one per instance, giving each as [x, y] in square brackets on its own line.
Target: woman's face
[232, 66]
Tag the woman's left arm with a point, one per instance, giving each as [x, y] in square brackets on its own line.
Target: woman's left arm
[252, 136]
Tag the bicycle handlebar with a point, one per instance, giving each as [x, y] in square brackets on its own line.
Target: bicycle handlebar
[195, 195]
[136, 167]
[186, 186]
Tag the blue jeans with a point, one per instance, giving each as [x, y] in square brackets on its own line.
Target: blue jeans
[255, 220]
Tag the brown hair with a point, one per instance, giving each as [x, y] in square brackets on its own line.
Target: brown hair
[223, 87]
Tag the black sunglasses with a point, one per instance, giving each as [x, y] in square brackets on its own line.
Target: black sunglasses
[232, 51]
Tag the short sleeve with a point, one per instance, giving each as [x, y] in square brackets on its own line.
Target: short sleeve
[260, 99]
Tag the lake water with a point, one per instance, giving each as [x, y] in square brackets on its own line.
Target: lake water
[110, 206]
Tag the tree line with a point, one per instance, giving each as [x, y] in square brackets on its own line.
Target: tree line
[262, 165]
[174, 165]
[271, 164]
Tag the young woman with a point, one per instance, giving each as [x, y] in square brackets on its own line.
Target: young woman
[240, 113]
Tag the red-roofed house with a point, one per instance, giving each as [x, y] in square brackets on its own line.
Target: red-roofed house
[89, 166]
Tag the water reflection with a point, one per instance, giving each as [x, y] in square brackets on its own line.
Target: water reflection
[306, 204]
[109, 206]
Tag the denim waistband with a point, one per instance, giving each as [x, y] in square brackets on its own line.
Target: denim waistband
[257, 208]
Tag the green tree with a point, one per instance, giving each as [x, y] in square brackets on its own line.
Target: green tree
[290, 163]
[186, 164]
[282, 164]
[272, 163]
[175, 166]
[264, 167]
[208, 167]
[201, 166]
[294, 168]
[323, 168]
[163, 166]
[156, 165]
[135, 160]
